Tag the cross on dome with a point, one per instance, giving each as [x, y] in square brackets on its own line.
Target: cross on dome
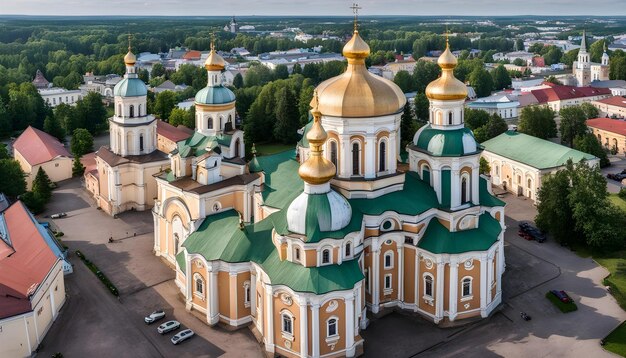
[355, 9]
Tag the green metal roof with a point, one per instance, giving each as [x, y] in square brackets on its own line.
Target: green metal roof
[130, 87]
[446, 143]
[532, 151]
[215, 95]
[303, 141]
[199, 144]
[180, 258]
[486, 199]
[254, 165]
[219, 238]
[439, 240]
[282, 182]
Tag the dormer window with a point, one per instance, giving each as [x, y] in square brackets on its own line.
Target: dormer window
[325, 256]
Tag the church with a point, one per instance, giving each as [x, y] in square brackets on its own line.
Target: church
[303, 245]
[584, 71]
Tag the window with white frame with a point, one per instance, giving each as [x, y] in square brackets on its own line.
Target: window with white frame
[367, 280]
[297, 254]
[348, 249]
[466, 287]
[388, 286]
[326, 256]
[287, 325]
[428, 285]
[389, 259]
[199, 285]
[331, 327]
[246, 293]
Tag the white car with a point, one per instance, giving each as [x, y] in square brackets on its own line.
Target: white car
[154, 316]
[168, 327]
[182, 336]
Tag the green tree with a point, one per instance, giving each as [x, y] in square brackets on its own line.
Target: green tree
[553, 55]
[144, 75]
[4, 152]
[482, 82]
[66, 115]
[519, 62]
[475, 118]
[164, 104]
[425, 72]
[617, 66]
[12, 181]
[501, 78]
[304, 107]
[519, 45]
[91, 113]
[537, 121]
[553, 79]
[42, 185]
[77, 167]
[589, 143]
[484, 166]
[408, 126]
[596, 50]
[81, 143]
[297, 69]
[569, 57]
[287, 117]
[158, 70]
[590, 110]
[494, 127]
[5, 123]
[572, 124]
[52, 126]
[554, 213]
[422, 104]
[238, 81]
[33, 202]
[281, 72]
[404, 80]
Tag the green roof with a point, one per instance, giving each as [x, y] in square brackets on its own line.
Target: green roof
[439, 240]
[130, 87]
[532, 151]
[303, 141]
[486, 198]
[446, 143]
[219, 238]
[199, 144]
[215, 95]
[282, 182]
[254, 165]
[180, 259]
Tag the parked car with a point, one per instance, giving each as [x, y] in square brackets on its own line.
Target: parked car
[154, 316]
[529, 232]
[616, 176]
[182, 336]
[168, 327]
[58, 215]
[562, 296]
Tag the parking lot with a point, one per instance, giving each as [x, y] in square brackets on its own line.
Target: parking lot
[618, 163]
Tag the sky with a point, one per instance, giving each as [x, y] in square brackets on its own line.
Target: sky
[318, 7]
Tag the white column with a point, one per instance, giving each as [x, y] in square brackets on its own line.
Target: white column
[439, 294]
[350, 326]
[157, 233]
[392, 152]
[370, 157]
[233, 291]
[188, 279]
[253, 302]
[400, 251]
[269, 315]
[436, 183]
[455, 183]
[454, 288]
[315, 350]
[475, 187]
[418, 279]
[304, 338]
[490, 274]
[52, 303]
[375, 280]
[30, 348]
[214, 303]
[483, 286]
[345, 157]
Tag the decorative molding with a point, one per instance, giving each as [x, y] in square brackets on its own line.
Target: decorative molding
[468, 264]
[286, 298]
[332, 306]
[428, 263]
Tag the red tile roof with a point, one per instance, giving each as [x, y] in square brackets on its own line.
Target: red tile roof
[609, 125]
[172, 133]
[89, 161]
[28, 265]
[192, 55]
[39, 147]
[560, 93]
[618, 101]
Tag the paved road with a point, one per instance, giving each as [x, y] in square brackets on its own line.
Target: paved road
[618, 163]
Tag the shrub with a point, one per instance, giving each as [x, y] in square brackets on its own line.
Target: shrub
[622, 193]
[93, 268]
[562, 306]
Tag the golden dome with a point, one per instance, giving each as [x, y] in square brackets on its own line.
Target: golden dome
[357, 92]
[130, 58]
[447, 87]
[214, 62]
[317, 169]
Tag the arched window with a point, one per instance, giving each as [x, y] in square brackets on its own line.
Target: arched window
[246, 293]
[287, 324]
[325, 256]
[237, 144]
[333, 152]
[428, 285]
[450, 118]
[331, 327]
[348, 251]
[210, 123]
[382, 156]
[199, 284]
[389, 259]
[176, 244]
[220, 127]
[141, 142]
[497, 170]
[131, 110]
[426, 173]
[530, 184]
[464, 190]
[297, 254]
[356, 158]
[139, 111]
[119, 110]
[230, 118]
[466, 288]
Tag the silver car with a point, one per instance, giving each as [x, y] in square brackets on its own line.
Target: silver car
[154, 316]
[182, 336]
[168, 327]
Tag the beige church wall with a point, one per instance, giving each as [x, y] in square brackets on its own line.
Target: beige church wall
[224, 294]
[414, 229]
[294, 310]
[16, 333]
[57, 169]
[495, 278]
[340, 313]
[200, 270]
[92, 184]
[242, 310]
[103, 179]
[371, 232]
[474, 273]
[409, 275]
[311, 258]
[367, 264]
[228, 171]
[446, 287]
[433, 271]
[393, 271]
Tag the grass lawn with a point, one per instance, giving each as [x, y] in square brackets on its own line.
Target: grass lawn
[616, 341]
[564, 307]
[621, 203]
[273, 148]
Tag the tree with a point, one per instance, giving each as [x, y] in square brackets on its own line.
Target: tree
[408, 126]
[596, 50]
[33, 202]
[183, 117]
[404, 80]
[158, 70]
[590, 110]
[422, 104]
[554, 213]
[66, 115]
[519, 45]
[553, 55]
[81, 143]
[501, 78]
[552, 79]
[52, 126]
[589, 143]
[569, 57]
[164, 104]
[238, 81]
[281, 72]
[5, 122]
[424, 73]
[519, 62]
[304, 107]
[4, 152]
[42, 185]
[12, 181]
[572, 124]
[475, 118]
[144, 75]
[297, 69]
[537, 121]
[77, 167]
[482, 82]
[494, 127]
[287, 117]
[617, 66]
[91, 113]
[484, 166]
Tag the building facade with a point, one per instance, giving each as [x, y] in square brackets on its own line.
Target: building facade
[56, 96]
[585, 71]
[300, 249]
[614, 107]
[610, 132]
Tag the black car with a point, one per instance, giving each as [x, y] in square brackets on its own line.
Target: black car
[531, 232]
[616, 176]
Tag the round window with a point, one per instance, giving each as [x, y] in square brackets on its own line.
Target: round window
[387, 225]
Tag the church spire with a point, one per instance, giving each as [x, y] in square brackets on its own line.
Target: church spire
[583, 42]
[317, 170]
[130, 58]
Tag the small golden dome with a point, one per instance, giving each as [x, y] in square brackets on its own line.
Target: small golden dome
[447, 87]
[214, 62]
[317, 169]
[130, 58]
[357, 93]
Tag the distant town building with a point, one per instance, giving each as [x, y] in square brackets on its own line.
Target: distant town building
[35, 149]
[99, 84]
[32, 283]
[557, 96]
[503, 104]
[233, 27]
[55, 96]
[617, 87]
[240, 51]
[585, 71]
[519, 161]
[40, 81]
[527, 57]
[610, 132]
[614, 107]
[169, 86]
[168, 136]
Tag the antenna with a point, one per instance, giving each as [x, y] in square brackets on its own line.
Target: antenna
[355, 9]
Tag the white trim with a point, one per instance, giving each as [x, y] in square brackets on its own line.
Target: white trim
[432, 286]
[388, 289]
[388, 253]
[330, 256]
[469, 296]
[336, 335]
[285, 313]
[247, 291]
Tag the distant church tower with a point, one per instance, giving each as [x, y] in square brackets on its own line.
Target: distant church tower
[585, 71]
[234, 27]
[132, 130]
